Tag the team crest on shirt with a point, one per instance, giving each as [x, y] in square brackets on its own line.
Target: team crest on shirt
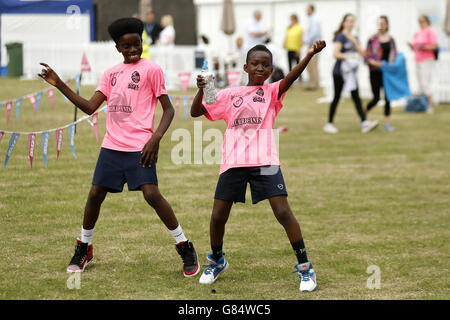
[237, 102]
[260, 92]
[136, 77]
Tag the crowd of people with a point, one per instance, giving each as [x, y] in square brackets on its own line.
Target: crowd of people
[348, 52]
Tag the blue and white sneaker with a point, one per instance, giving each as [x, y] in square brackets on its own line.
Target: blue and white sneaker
[307, 276]
[213, 270]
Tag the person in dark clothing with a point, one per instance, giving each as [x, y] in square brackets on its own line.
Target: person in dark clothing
[380, 47]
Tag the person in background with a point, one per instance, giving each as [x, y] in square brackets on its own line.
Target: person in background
[293, 41]
[380, 47]
[346, 50]
[424, 45]
[151, 33]
[255, 31]
[167, 35]
[313, 34]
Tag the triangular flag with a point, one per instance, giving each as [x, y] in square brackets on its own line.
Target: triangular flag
[51, 96]
[12, 144]
[31, 146]
[177, 105]
[184, 78]
[85, 66]
[0, 105]
[45, 136]
[233, 77]
[59, 136]
[18, 102]
[185, 101]
[65, 98]
[78, 81]
[38, 100]
[2, 133]
[95, 124]
[32, 99]
[72, 138]
[8, 110]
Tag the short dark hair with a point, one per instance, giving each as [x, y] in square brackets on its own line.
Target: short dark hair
[259, 47]
[123, 26]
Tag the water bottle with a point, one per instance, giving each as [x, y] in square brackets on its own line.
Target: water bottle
[209, 90]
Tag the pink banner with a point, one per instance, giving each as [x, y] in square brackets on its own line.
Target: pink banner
[31, 145]
[8, 110]
[59, 136]
[95, 124]
[32, 99]
[51, 96]
[1, 135]
[184, 78]
[233, 78]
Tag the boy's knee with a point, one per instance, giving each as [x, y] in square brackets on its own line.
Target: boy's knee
[284, 216]
[96, 195]
[152, 196]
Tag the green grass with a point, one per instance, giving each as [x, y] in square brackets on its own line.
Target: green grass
[376, 199]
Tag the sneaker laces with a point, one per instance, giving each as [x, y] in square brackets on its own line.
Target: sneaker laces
[303, 274]
[210, 267]
[80, 254]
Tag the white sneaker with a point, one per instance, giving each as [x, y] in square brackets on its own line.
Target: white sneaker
[307, 276]
[330, 128]
[367, 126]
[214, 269]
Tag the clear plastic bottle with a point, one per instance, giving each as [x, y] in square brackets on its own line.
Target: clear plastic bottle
[209, 90]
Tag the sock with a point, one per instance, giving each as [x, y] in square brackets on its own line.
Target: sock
[86, 235]
[300, 251]
[216, 251]
[178, 235]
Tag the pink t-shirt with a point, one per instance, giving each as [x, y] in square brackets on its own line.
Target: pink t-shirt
[249, 112]
[424, 37]
[132, 92]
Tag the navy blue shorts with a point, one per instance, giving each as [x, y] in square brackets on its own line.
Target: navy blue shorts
[265, 182]
[115, 168]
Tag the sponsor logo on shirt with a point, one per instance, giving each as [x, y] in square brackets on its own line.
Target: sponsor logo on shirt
[133, 86]
[114, 76]
[250, 120]
[259, 99]
[120, 108]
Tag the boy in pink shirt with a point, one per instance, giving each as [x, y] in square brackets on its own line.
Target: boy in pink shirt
[130, 148]
[249, 155]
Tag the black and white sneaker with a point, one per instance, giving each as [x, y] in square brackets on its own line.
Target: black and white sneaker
[187, 252]
[84, 253]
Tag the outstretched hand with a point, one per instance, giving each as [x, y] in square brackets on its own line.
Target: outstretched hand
[317, 47]
[49, 75]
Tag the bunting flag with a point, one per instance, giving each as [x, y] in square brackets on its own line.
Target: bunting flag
[38, 100]
[185, 102]
[2, 133]
[177, 105]
[184, 78]
[95, 124]
[59, 136]
[32, 99]
[18, 103]
[78, 82]
[72, 138]
[191, 99]
[51, 96]
[45, 136]
[1, 104]
[85, 66]
[31, 145]
[8, 110]
[233, 77]
[12, 144]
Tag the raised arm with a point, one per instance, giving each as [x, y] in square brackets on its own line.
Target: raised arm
[87, 106]
[197, 108]
[286, 83]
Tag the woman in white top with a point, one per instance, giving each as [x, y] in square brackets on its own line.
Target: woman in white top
[167, 35]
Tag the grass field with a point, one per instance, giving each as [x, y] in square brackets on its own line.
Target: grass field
[378, 199]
